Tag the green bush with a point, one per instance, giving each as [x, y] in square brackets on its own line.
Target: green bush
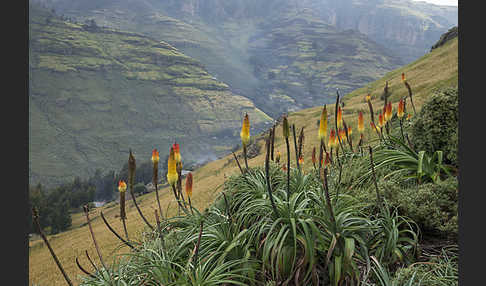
[432, 206]
[436, 125]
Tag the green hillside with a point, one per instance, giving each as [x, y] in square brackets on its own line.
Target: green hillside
[437, 69]
[95, 92]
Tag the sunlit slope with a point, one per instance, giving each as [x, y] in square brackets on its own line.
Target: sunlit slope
[436, 69]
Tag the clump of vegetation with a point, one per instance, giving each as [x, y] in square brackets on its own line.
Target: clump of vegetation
[355, 218]
[436, 126]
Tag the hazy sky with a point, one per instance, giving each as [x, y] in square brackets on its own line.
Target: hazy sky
[441, 2]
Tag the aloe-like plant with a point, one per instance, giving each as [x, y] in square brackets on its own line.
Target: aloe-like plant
[419, 165]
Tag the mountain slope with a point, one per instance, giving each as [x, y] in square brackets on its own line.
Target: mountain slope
[96, 92]
[247, 43]
[439, 68]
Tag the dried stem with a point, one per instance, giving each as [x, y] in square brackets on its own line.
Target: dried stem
[288, 167]
[410, 94]
[378, 196]
[401, 129]
[178, 200]
[328, 198]
[348, 137]
[35, 216]
[138, 209]
[86, 212]
[84, 270]
[238, 162]
[157, 194]
[295, 146]
[91, 261]
[245, 156]
[267, 176]
[114, 232]
[131, 177]
[272, 146]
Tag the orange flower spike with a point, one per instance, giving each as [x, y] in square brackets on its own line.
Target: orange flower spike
[177, 152]
[350, 130]
[327, 160]
[301, 160]
[155, 156]
[332, 138]
[172, 176]
[409, 116]
[323, 124]
[388, 113]
[122, 186]
[339, 118]
[189, 185]
[342, 134]
[380, 120]
[403, 77]
[400, 109]
[245, 130]
[360, 122]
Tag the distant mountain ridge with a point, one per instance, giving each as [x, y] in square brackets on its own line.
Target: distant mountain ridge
[94, 93]
[290, 67]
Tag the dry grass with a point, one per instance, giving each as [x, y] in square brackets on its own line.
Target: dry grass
[435, 69]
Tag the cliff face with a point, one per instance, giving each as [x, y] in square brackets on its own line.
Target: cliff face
[408, 28]
[95, 93]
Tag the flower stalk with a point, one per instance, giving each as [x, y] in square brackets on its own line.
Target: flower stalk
[131, 177]
[286, 133]
[404, 80]
[35, 215]
[155, 176]
[122, 187]
[245, 137]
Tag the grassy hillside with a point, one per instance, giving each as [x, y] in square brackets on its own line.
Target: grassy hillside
[94, 93]
[436, 69]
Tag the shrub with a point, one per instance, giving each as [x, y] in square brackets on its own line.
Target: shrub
[436, 126]
[432, 206]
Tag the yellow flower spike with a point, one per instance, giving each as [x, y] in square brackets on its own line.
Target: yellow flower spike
[388, 112]
[360, 122]
[301, 160]
[245, 130]
[189, 185]
[122, 186]
[277, 158]
[172, 176]
[339, 118]
[155, 156]
[400, 109]
[373, 127]
[368, 97]
[323, 124]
